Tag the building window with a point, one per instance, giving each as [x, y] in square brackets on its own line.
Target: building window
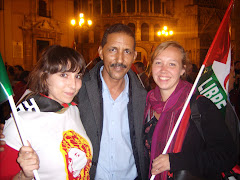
[116, 6]
[131, 6]
[157, 6]
[145, 32]
[96, 7]
[144, 6]
[1, 4]
[43, 9]
[139, 56]
[106, 6]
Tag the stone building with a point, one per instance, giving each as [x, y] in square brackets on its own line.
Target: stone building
[194, 24]
[28, 26]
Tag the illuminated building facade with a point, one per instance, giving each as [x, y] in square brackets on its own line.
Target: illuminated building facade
[28, 26]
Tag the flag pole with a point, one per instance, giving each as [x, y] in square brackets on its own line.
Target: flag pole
[16, 118]
[140, 80]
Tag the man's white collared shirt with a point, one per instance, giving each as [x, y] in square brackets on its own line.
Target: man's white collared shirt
[116, 160]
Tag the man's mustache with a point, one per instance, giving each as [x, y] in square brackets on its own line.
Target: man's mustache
[118, 65]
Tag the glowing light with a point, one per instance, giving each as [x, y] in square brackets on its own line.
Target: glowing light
[81, 15]
[81, 22]
[73, 22]
[89, 22]
[165, 32]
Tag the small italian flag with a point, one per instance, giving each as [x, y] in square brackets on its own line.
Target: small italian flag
[6, 93]
[5, 85]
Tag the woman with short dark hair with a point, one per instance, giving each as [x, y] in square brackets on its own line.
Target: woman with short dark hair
[59, 146]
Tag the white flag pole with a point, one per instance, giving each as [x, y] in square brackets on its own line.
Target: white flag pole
[20, 130]
[18, 125]
[140, 80]
[182, 113]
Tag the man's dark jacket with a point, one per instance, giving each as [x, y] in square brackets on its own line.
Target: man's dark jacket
[91, 111]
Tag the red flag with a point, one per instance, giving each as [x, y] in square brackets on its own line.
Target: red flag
[213, 83]
[219, 48]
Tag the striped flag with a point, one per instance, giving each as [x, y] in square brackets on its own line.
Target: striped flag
[5, 85]
[213, 82]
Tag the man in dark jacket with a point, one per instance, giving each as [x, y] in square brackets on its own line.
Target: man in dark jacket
[111, 105]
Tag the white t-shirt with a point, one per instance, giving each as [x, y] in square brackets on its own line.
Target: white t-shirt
[59, 139]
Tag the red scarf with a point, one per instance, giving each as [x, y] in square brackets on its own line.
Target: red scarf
[169, 112]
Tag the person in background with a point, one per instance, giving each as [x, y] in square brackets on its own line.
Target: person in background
[58, 144]
[234, 93]
[237, 69]
[21, 86]
[142, 74]
[203, 155]
[191, 72]
[232, 111]
[111, 105]
[152, 83]
[18, 71]
[5, 107]
[11, 75]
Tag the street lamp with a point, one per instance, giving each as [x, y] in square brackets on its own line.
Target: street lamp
[165, 32]
[81, 21]
[81, 30]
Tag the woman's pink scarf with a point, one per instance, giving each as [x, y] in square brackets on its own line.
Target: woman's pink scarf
[169, 112]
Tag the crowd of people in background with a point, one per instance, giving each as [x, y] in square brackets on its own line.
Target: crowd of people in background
[18, 78]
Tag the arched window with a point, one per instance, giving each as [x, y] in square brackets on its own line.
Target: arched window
[132, 26]
[145, 32]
